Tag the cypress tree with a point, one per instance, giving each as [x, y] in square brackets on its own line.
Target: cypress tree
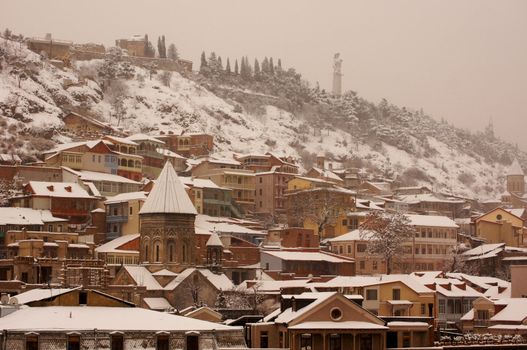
[203, 66]
[256, 68]
[228, 66]
[271, 66]
[236, 70]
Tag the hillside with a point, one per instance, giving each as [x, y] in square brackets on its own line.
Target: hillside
[278, 113]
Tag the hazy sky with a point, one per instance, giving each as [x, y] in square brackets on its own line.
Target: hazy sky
[464, 61]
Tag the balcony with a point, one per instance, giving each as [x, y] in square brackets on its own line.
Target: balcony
[116, 219]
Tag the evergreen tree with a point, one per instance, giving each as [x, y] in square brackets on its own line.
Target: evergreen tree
[149, 48]
[159, 46]
[164, 47]
[271, 66]
[220, 64]
[236, 71]
[172, 52]
[228, 67]
[203, 68]
[265, 65]
[256, 68]
[279, 66]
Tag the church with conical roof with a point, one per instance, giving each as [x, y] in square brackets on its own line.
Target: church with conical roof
[167, 224]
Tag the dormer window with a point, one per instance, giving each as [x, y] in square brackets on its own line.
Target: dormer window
[68, 188]
[51, 188]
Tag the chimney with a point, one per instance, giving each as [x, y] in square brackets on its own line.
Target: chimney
[51, 188]
[293, 304]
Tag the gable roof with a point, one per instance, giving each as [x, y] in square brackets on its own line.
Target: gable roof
[114, 245]
[58, 189]
[76, 318]
[40, 294]
[431, 220]
[515, 168]
[26, 216]
[168, 195]
[214, 240]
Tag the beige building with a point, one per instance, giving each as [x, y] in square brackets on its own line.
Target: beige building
[122, 213]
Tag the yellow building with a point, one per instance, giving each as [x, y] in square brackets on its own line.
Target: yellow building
[318, 205]
[500, 226]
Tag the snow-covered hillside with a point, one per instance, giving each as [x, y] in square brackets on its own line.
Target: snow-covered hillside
[33, 93]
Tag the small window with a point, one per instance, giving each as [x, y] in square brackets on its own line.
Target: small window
[32, 342]
[371, 294]
[335, 314]
[131, 210]
[362, 265]
[74, 342]
[162, 342]
[396, 294]
[83, 298]
[361, 248]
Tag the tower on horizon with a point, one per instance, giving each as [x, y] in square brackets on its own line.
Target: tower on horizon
[337, 75]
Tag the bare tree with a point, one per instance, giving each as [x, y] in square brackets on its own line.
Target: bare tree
[320, 206]
[386, 235]
[116, 94]
[8, 188]
[165, 77]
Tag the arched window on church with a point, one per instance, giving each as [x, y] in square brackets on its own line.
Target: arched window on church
[146, 253]
[171, 252]
[184, 253]
[157, 252]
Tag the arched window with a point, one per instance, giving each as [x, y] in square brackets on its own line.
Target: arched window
[171, 252]
[157, 252]
[146, 252]
[123, 162]
[124, 149]
[184, 253]
[130, 163]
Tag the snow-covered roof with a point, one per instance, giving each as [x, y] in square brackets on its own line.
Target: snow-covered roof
[515, 168]
[270, 286]
[327, 174]
[363, 281]
[26, 216]
[219, 281]
[10, 158]
[514, 311]
[289, 315]
[199, 183]
[168, 195]
[427, 197]
[125, 197]
[86, 175]
[205, 224]
[164, 273]
[144, 137]
[157, 303]
[114, 244]
[143, 277]
[455, 288]
[330, 325]
[120, 140]
[484, 249]
[516, 211]
[168, 153]
[355, 235]
[58, 189]
[88, 318]
[306, 256]
[214, 240]
[40, 294]
[431, 220]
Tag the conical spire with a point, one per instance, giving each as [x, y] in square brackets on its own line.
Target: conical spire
[168, 195]
[515, 168]
[214, 241]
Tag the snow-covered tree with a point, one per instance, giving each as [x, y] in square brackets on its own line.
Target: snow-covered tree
[236, 70]
[8, 188]
[165, 77]
[172, 52]
[116, 94]
[271, 66]
[386, 234]
[149, 48]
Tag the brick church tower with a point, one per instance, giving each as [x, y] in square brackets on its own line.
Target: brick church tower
[167, 224]
[516, 179]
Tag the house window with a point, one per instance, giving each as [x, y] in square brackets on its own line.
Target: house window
[335, 342]
[423, 309]
[361, 248]
[374, 264]
[362, 265]
[74, 342]
[482, 315]
[131, 210]
[306, 342]
[83, 298]
[264, 340]
[162, 342]
[371, 294]
[32, 342]
[117, 342]
[396, 294]
[349, 249]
